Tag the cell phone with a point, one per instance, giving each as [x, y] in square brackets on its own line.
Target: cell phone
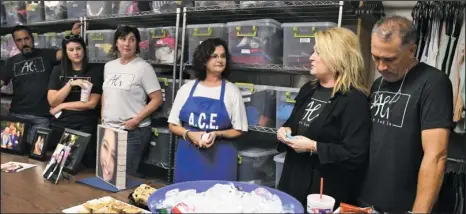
[288, 135]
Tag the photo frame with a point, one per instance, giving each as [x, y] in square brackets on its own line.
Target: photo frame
[53, 170]
[13, 134]
[111, 155]
[39, 144]
[77, 142]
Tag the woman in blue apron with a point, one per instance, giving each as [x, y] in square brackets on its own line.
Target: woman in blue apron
[205, 113]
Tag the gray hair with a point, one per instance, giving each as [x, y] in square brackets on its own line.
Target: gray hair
[386, 27]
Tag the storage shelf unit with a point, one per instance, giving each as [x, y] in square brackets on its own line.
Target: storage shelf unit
[45, 26]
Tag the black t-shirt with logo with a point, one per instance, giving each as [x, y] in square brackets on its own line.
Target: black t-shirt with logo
[398, 118]
[30, 76]
[315, 105]
[70, 118]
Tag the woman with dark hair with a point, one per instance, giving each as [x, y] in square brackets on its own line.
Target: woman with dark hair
[205, 113]
[55, 163]
[66, 82]
[128, 82]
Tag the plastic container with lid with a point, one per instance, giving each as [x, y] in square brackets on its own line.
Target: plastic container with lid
[285, 104]
[159, 148]
[246, 4]
[144, 44]
[279, 160]
[130, 7]
[39, 40]
[35, 11]
[162, 45]
[99, 43]
[164, 6]
[2, 14]
[166, 84]
[75, 9]
[53, 40]
[256, 165]
[260, 103]
[15, 12]
[214, 3]
[299, 41]
[4, 46]
[55, 10]
[255, 41]
[199, 33]
[101, 8]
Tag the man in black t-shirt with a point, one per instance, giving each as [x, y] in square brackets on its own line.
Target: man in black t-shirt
[30, 72]
[411, 109]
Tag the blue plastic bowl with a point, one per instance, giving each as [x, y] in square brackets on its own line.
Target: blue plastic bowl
[202, 186]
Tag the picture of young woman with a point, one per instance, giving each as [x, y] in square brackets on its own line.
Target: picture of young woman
[53, 170]
[107, 155]
[38, 145]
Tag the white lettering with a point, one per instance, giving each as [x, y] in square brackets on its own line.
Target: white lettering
[191, 120]
[382, 109]
[213, 120]
[201, 120]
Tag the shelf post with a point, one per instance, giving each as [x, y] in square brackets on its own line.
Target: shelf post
[83, 32]
[340, 13]
[183, 38]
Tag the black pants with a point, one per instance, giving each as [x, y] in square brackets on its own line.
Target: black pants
[89, 156]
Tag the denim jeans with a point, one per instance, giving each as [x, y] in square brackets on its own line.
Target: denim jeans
[137, 144]
[35, 123]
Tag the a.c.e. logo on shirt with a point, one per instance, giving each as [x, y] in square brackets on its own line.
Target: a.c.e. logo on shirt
[31, 66]
[119, 81]
[389, 108]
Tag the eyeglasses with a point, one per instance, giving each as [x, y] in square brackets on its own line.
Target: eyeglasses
[69, 37]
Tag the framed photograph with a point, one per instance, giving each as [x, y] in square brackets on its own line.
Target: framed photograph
[53, 170]
[13, 131]
[77, 142]
[111, 155]
[39, 143]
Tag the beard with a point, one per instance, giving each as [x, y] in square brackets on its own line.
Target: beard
[27, 50]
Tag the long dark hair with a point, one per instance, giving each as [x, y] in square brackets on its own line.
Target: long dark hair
[66, 62]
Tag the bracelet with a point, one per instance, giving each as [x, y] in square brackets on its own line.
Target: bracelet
[185, 134]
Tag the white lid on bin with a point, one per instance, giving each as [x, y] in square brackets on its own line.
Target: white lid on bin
[207, 25]
[101, 31]
[166, 27]
[257, 152]
[161, 130]
[309, 24]
[280, 158]
[255, 22]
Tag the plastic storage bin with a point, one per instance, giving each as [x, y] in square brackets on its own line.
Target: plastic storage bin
[55, 10]
[159, 149]
[246, 4]
[144, 44]
[101, 8]
[256, 165]
[255, 41]
[260, 104]
[166, 83]
[130, 7]
[214, 3]
[39, 40]
[2, 14]
[5, 105]
[75, 9]
[4, 46]
[99, 43]
[199, 33]
[279, 160]
[285, 104]
[162, 45]
[299, 41]
[11, 46]
[35, 11]
[164, 6]
[15, 12]
[53, 40]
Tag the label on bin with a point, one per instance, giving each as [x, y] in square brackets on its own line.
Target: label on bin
[245, 51]
[305, 40]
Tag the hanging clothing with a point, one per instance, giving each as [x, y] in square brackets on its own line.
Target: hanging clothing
[457, 70]
[218, 162]
[443, 47]
[434, 44]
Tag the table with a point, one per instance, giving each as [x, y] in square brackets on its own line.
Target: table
[27, 191]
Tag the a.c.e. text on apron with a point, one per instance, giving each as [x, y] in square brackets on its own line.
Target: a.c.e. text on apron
[218, 162]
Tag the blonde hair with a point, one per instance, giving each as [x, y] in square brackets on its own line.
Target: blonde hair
[340, 50]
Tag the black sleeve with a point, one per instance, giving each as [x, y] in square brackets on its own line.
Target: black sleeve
[51, 54]
[355, 126]
[55, 82]
[304, 89]
[96, 73]
[437, 103]
[7, 72]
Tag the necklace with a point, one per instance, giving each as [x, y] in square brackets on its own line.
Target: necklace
[398, 93]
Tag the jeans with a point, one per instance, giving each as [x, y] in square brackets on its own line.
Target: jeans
[35, 122]
[137, 143]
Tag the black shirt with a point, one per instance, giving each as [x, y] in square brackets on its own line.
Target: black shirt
[30, 75]
[425, 102]
[70, 118]
[313, 108]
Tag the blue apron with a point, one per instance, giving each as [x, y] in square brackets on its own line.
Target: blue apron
[218, 162]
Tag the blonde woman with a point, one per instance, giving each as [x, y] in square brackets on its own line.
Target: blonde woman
[328, 132]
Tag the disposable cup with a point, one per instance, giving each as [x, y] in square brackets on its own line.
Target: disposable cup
[86, 91]
[317, 205]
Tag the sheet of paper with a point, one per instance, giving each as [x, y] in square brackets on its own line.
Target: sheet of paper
[12, 167]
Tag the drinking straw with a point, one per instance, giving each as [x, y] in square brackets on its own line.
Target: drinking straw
[321, 187]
